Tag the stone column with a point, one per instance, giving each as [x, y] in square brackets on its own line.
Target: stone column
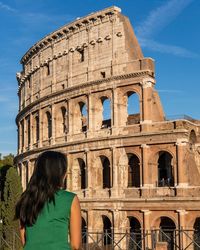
[90, 115]
[146, 227]
[182, 226]
[146, 102]
[115, 110]
[70, 118]
[31, 132]
[40, 128]
[115, 173]
[182, 171]
[144, 167]
[53, 70]
[53, 120]
[89, 173]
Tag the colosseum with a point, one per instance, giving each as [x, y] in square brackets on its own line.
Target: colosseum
[87, 90]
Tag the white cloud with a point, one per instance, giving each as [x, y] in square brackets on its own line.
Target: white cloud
[157, 20]
[167, 48]
[7, 7]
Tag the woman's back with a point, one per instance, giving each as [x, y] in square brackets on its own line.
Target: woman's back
[50, 231]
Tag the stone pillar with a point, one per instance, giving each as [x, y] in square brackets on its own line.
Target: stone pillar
[182, 171]
[144, 167]
[182, 226]
[90, 115]
[89, 173]
[146, 227]
[146, 103]
[23, 179]
[53, 86]
[115, 173]
[115, 110]
[70, 118]
[31, 132]
[40, 128]
[53, 120]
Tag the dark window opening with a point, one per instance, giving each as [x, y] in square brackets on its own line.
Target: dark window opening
[48, 70]
[37, 128]
[103, 74]
[82, 55]
[165, 175]
[49, 124]
[82, 174]
[106, 172]
[64, 119]
[133, 171]
[107, 231]
[84, 232]
[135, 241]
[196, 236]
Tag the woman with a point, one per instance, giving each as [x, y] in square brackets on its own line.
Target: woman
[46, 211]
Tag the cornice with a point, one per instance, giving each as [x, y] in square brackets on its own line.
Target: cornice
[69, 29]
[86, 84]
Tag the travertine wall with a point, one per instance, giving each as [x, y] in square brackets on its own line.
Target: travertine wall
[137, 166]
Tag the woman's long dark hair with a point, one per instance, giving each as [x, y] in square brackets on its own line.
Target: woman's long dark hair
[48, 177]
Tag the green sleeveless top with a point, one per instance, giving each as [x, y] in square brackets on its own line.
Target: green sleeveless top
[50, 232]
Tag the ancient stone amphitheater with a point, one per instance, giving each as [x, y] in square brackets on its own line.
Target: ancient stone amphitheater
[87, 90]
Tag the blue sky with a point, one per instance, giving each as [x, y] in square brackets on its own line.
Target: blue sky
[168, 31]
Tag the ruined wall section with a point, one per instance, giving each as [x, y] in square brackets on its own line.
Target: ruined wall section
[102, 45]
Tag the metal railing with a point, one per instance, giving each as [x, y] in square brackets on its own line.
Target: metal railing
[140, 240]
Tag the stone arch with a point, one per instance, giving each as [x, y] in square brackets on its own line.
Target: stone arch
[107, 230]
[106, 172]
[133, 170]
[165, 169]
[61, 121]
[106, 112]
[84, 116]
[167, 232]
[82, 169]
[36, 128]
[135, 241]
[47, 125]
[192, 139]
[79, 174]
[133, 108]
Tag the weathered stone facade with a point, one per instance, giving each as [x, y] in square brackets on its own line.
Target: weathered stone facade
[131, 171]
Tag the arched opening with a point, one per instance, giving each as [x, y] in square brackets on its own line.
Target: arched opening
[196, 236]
[49, 124]
[37, 127]
[133, 108]
[135, 241]
[192, 139]
[84, 231]
[107, 231]
[167, 232]
[165, 171]
[106, 172]
[64, 119]
[106, 104]
[133, 171]
[84, 116]
[83, 181]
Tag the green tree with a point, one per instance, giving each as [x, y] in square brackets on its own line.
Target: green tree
[11, 193]
[6, 160]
